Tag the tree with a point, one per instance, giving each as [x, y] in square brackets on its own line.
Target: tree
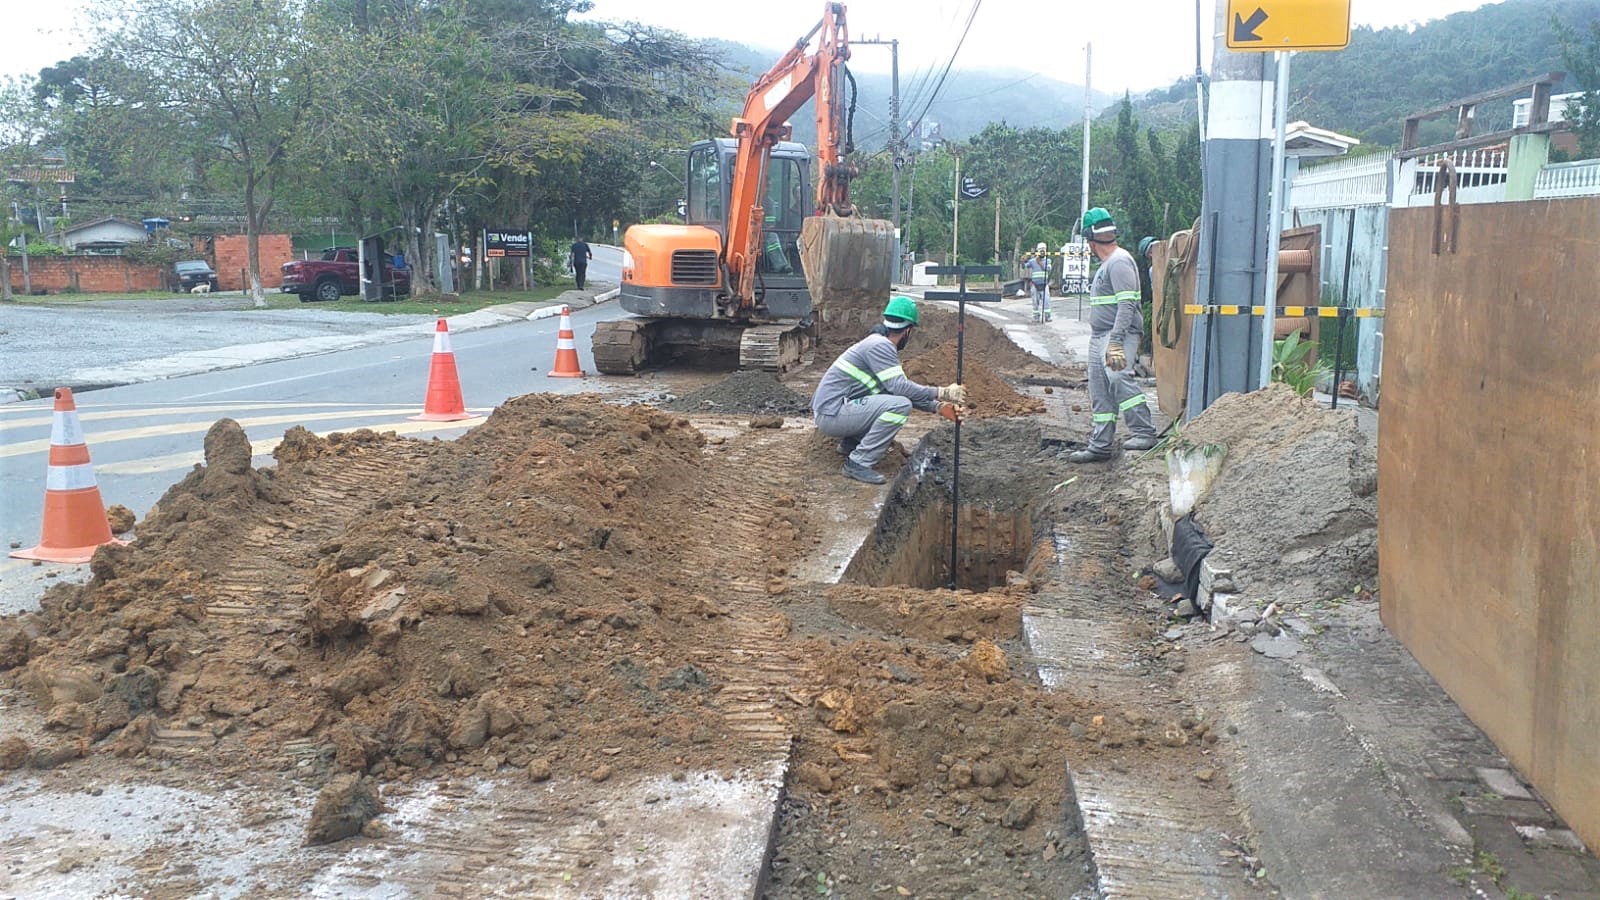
[1033, 175]
[1581, 53]
[240, 83]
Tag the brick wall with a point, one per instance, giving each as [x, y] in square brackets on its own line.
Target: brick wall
[231, 259]
[89, 274]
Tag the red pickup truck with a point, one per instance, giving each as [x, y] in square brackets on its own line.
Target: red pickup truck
[338, 274]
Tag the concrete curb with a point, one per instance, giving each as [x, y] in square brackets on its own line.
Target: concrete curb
[554, 309]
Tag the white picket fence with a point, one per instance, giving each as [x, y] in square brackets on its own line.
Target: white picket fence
[1362, 181]
[1573, 179]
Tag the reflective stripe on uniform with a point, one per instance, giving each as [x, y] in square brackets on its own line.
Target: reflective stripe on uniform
[891, 372]
[857, 374]
[896, 418]
[1126, 295]
[1105, 417]
[69, 478]
[1131, 402]
[1107, 300]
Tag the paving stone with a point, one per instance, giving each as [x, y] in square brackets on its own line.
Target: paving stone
[1523, 812]
[1503, 782]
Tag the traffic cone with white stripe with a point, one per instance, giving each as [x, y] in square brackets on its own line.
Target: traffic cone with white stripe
[443, 403]
[74, 515]
[566, 349]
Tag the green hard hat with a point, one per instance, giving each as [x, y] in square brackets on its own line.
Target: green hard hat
[1094, 217]
[901, 307]
[1144, 245]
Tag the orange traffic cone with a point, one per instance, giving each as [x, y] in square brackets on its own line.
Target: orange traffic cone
[443, 403]
[74, 515]
[566, 349]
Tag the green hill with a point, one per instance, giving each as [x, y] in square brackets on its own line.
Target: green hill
[969, 100]
[1368, 89]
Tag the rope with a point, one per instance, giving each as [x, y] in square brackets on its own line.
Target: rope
[1169, 312]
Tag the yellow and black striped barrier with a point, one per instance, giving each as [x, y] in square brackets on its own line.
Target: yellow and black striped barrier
[1288, 312]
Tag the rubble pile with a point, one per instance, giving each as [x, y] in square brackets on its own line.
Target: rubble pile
[1293, 513]
[515, 597]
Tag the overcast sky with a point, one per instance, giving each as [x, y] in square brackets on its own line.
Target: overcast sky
[1138, 44]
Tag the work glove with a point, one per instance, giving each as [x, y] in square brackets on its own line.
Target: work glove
[1116, 360]
[950, 411]
[953, 393]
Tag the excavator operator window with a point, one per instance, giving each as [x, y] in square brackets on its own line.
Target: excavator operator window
[785, 207]
[705, 188]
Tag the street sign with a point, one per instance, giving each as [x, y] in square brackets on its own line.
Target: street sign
[1265, 25]
[1075, 267]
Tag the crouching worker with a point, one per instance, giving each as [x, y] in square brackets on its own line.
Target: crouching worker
[865, 397]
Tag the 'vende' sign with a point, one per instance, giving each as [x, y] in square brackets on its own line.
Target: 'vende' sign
[502, 243]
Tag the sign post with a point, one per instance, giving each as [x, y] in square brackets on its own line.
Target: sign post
[962, 296]
[1281, 26]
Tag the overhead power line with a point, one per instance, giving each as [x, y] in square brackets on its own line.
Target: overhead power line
[939, 85]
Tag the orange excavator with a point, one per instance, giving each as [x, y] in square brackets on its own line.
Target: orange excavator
[753, 262]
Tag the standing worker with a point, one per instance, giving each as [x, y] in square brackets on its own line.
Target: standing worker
[1115, 330]
[865, 397]
[581, 254]
[1038, 269]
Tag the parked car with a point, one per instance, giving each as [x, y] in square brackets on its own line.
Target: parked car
[188, 273]
[337, 274]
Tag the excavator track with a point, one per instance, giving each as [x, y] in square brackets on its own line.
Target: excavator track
[773, 348]
[622, 346]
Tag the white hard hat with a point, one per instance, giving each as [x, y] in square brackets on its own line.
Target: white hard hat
[1042, 246]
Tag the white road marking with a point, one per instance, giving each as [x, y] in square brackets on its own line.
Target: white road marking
[153, 464]
[23, 448]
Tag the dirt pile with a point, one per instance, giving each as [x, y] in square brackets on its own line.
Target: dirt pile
[987, 395]
[984, 342]
[1294, 511]
[515, 596]
[746, 391]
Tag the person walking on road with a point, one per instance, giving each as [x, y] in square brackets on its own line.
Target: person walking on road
[1115, 329]
[581, 254]
[865, 397]
[1038, 270]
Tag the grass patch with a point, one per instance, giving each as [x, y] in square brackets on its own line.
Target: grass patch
[59, 299]
[428, 306]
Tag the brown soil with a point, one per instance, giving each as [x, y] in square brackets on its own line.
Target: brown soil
[406, 604]
[987, 395]
[983, 342]
[745, 391]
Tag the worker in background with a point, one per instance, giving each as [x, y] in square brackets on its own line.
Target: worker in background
[1038, 271]
[581, 254]
[865, 397]
[1114, 333]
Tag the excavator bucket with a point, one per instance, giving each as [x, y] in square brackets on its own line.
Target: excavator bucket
[849, 263]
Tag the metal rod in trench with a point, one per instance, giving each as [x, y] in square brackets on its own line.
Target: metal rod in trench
[1211, 318]
[1344, 309]
[955, 479]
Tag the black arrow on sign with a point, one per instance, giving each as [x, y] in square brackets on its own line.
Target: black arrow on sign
[1245, 30]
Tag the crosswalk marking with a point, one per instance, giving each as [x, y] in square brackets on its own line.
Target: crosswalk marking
[22, 448]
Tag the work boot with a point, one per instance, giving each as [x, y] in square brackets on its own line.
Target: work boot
[1088, 456]
[1139, 442]
[847, 446]
[853, 469]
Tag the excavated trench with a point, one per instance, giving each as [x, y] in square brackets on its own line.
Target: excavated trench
[995, 529]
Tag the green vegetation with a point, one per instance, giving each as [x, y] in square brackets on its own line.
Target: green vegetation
[1290, 367]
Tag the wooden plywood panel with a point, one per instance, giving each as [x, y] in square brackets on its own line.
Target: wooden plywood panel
[1489, 479]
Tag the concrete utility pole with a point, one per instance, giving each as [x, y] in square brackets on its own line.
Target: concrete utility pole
[897, 149]
[1088, 98]
[1238, 157]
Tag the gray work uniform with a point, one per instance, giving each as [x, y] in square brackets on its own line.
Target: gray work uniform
[1114, 315]
[866, 396]
[1038, 271]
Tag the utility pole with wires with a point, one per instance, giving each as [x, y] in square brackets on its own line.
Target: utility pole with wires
[897, 152]
[1088, 117]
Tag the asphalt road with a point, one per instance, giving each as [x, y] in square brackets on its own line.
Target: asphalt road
[143, 437]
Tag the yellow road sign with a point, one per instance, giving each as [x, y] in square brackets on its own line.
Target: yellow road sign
[1264, 25]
